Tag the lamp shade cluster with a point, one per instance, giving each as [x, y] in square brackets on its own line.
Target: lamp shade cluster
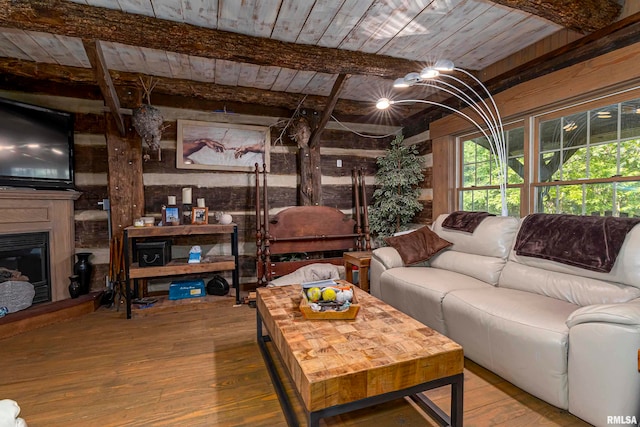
[484, 115]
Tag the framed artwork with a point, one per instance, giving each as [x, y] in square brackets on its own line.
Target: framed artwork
[199, 215]
[171, 216]
[221, 146]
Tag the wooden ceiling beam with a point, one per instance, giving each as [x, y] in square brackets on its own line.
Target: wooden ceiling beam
[328, 109]
[96, 57]
[178, 87]
[76, 20]
[583, 16]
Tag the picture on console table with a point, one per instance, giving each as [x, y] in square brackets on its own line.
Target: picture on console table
[221, 146]
[199, 215]
[171, 216]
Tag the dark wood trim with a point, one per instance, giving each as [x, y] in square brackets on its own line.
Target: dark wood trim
[174, 91]
[583, 16]
[328, 109]
[96, 57]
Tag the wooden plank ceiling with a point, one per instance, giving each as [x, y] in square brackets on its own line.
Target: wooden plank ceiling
[275, 52]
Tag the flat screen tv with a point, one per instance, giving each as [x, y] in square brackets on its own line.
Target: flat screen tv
[36, 147]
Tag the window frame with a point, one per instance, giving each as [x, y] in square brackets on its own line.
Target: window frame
[581, 107]
[532, 147]
[459, 154]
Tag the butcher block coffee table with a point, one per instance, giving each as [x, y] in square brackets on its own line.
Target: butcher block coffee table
[337, 366]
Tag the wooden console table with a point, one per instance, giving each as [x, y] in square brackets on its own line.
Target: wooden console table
[176, 267]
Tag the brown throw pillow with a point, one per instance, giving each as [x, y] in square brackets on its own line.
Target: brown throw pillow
[417, 246]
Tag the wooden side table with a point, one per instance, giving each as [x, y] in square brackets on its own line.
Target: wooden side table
[361, 260]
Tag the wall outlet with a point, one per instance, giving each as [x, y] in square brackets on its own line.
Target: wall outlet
[339, 163]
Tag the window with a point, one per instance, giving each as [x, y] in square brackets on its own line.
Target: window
[592, 159]
[480, 189]
[583, 159]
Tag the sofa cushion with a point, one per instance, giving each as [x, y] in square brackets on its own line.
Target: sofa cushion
[518, 335]
[419, 291]
[590, 242]
[417, 246]
[483, 268]
[626, 269]
[579, 290]
[493, 237]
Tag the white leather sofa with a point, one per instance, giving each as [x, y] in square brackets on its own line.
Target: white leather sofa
[567, 335]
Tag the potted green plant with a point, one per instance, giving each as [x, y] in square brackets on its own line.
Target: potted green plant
[395, 199]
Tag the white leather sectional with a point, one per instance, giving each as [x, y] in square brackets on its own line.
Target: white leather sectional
[567, 335]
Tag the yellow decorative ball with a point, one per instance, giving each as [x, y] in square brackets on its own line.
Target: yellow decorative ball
[314, 294]
[329, 294]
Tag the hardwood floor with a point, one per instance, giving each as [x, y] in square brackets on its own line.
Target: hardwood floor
[200, 368]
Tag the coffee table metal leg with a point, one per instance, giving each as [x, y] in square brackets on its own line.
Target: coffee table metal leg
[455, 420]
[275, 378]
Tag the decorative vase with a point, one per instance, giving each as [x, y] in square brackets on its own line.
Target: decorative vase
[83, 269]
[74, 286]
[225, 219]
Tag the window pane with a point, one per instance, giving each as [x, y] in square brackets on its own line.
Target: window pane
[570, 199]
[575, 164]
[513, 202]
[515, 142]
[483, 173]
[479, 200]
[630, 119]
[549, 166]
[630, 158]
[550, 135]
[628, 198]
[514, 177]
[483, 150]
[494, 202]
[469, 175]
[469, 152]
[466, 203]
[604, 124]
[515, 161]
[599, 199]
[574, 130]
[603, 160]
[547, 199]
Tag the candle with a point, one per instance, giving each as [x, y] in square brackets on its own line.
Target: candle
[171, 200]
[201, 202]
[186, 196]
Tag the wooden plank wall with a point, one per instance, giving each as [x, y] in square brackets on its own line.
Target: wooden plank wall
[231, 192]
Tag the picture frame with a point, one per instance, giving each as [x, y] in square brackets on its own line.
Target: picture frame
[199, 215]
[221, 146]
[171, 216]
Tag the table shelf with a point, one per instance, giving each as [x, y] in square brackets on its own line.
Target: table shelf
[181, 266]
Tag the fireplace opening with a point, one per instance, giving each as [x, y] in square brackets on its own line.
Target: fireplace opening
[27, 254]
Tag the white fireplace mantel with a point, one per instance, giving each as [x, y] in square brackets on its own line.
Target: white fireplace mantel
[27, 211]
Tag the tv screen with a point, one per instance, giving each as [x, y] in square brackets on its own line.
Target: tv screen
[36, 146]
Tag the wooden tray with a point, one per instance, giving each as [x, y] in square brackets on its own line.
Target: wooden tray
[348, 314]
